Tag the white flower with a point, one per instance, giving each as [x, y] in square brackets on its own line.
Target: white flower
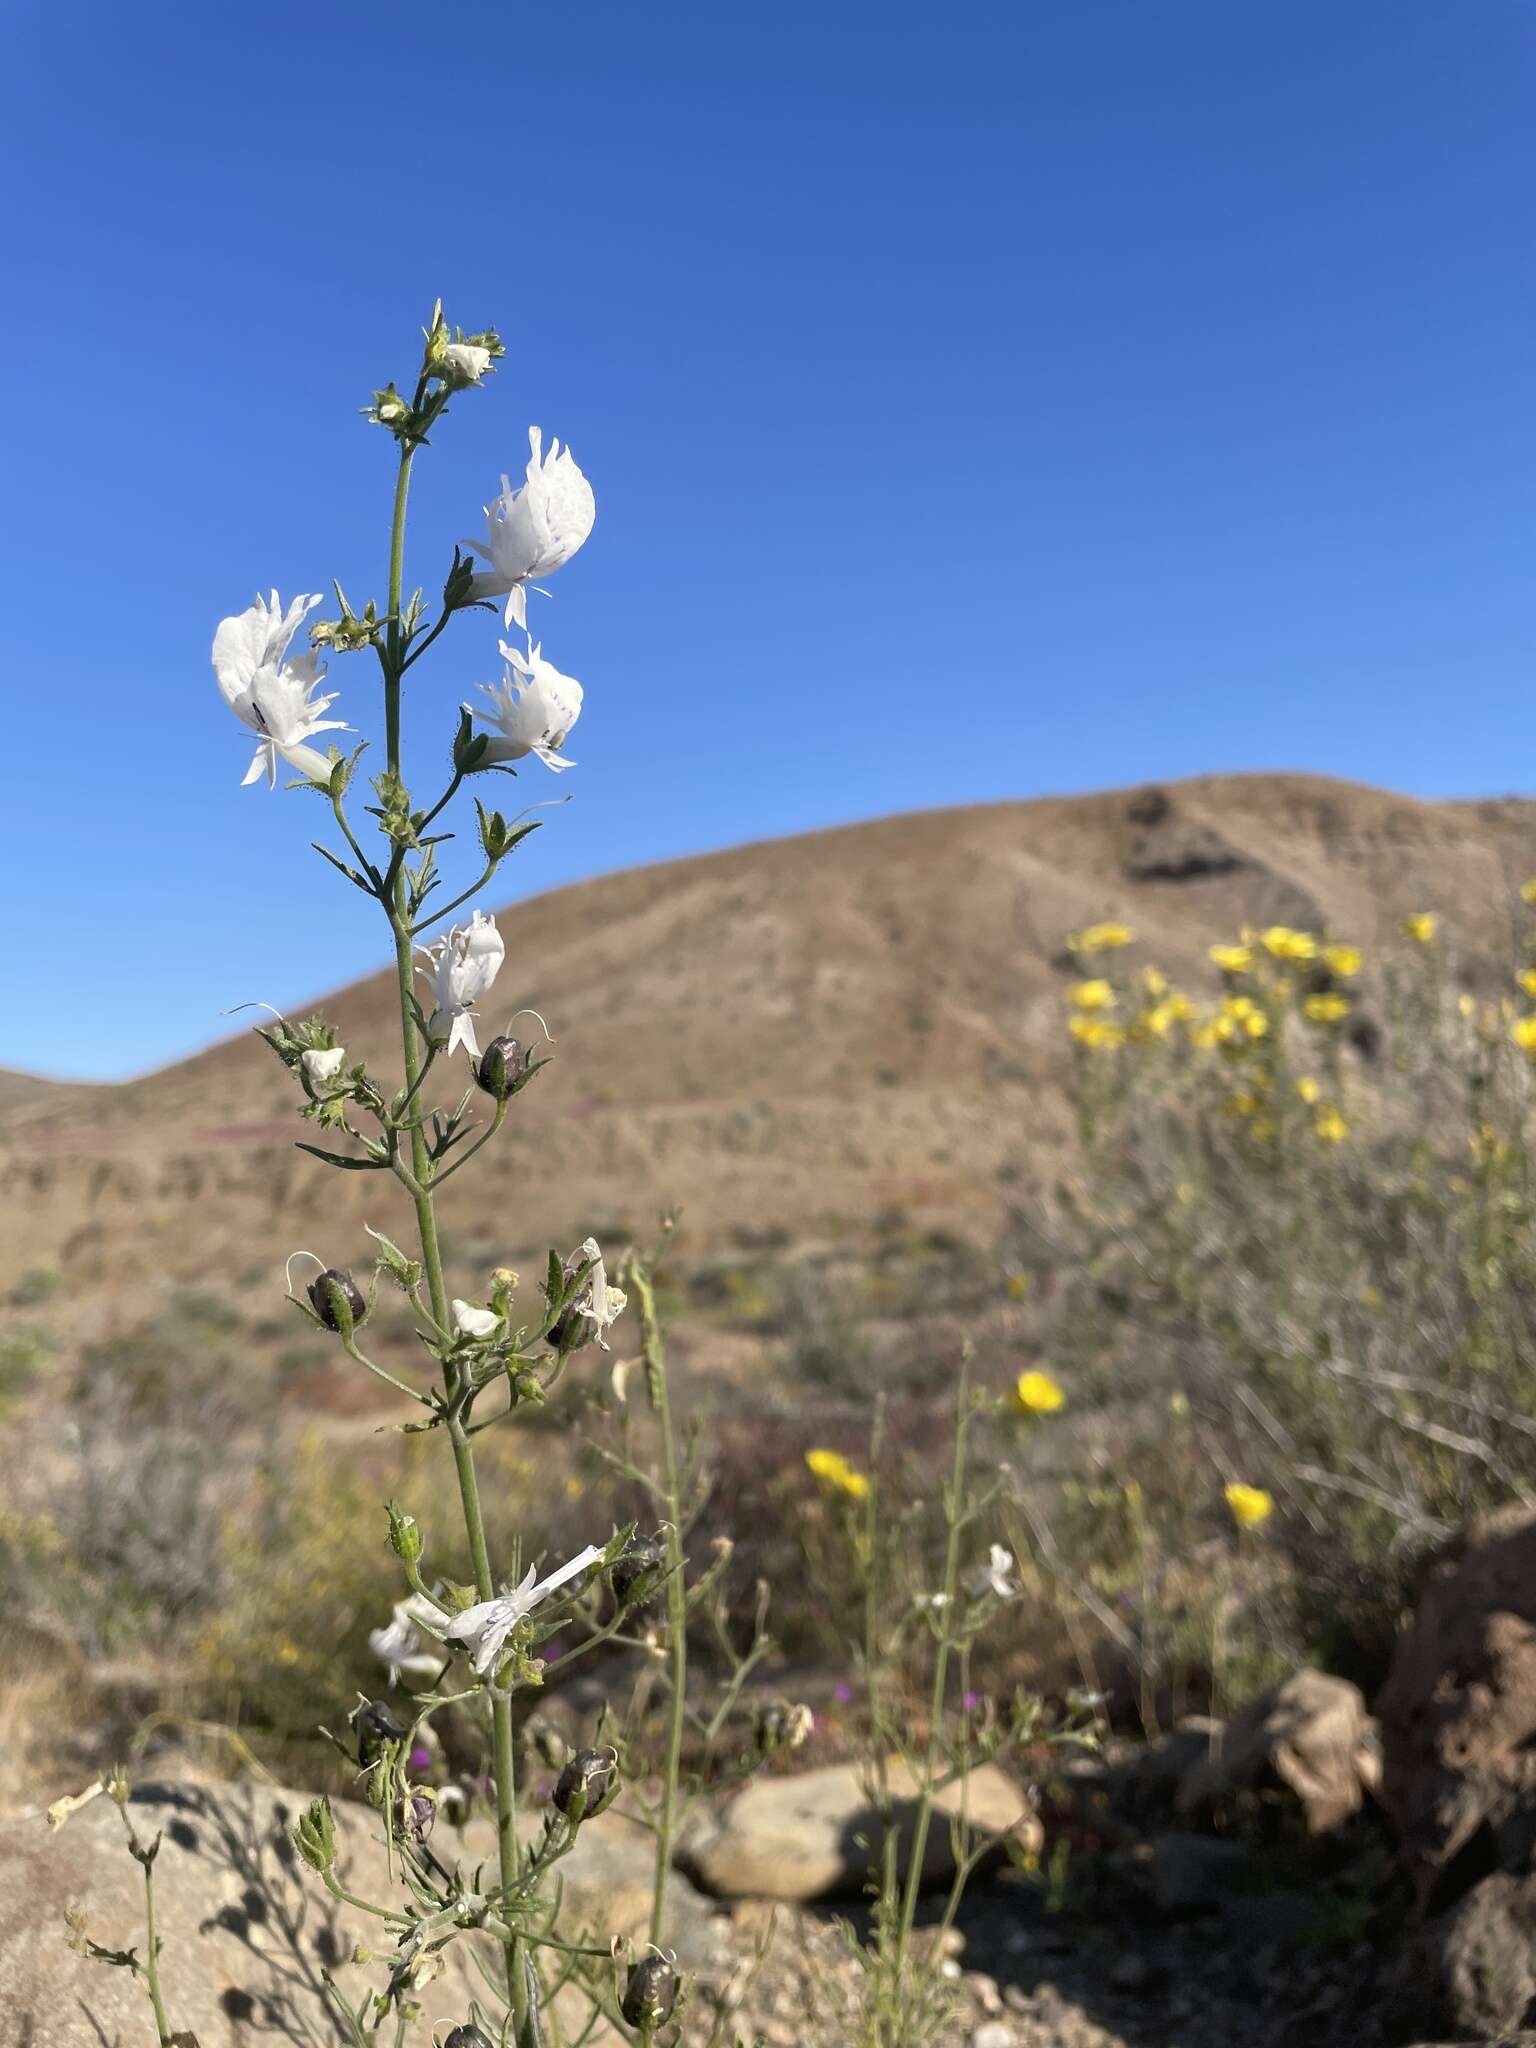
[995, 1576]
[533, 530]
[618, 1379]
[399, 1644]
[323, 1063]
[466, 361]
[532, 710]
[471, 1321]
[460, 968]
[601, 1304]
[483, 1629]
[272, 696]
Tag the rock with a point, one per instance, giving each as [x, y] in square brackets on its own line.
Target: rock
[1311, 1735]
[1145, 1782]
[1472, 1970]
[1458, 1712]
[246, 1929]
[817, 1834]
[1197, 1873]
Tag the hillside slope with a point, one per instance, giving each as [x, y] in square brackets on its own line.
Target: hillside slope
[791, 1034]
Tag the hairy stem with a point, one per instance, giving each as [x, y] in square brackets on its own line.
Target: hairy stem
[653, 1354]
[954, 1517]
[437, 1293]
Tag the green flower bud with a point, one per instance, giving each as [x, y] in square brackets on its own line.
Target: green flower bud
[503, 1065]
[405, 1538]
[588, 1784]
[404, 1271]
[637, 1572]
[651, 1992]
[337, 1300]
[315, 1836]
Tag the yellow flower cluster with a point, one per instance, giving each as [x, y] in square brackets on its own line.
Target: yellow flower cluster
[834, 1471]
[1270, 976]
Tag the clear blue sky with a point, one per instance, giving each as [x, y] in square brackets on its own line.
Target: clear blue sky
[981, 402]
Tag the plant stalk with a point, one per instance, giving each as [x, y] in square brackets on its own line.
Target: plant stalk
[504, 1765]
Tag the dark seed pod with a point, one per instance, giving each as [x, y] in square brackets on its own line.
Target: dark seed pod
[337, 1300]
[374, 1726]
[650, 1993]
[636, 1572]
[415, 1817]
[468, 2036]
[586, 1784]
[502, 1066]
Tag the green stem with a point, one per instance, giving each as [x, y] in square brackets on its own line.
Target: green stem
[954, 1515]
[653, 1353]
[437, 1293]
[152, 1958]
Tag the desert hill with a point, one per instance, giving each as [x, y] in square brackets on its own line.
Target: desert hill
[789, 1035]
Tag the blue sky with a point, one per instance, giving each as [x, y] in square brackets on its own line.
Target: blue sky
[981, 402]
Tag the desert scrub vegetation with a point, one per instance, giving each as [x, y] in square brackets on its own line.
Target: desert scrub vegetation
[1293, 1254]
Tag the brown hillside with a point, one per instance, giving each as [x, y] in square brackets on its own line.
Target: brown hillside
[791, 1034]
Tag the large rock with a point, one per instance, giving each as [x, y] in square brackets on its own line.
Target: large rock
[1458, 1713]
[247, 1931]
[1311, 1737]
[1472, 1970]
[818, 1834]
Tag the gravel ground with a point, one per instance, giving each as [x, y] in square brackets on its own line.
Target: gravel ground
[1022, 1978]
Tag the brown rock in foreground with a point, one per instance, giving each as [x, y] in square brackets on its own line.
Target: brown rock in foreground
[247, 1931]
[1311, 1736]
[818, 1834]
[1458, 1710]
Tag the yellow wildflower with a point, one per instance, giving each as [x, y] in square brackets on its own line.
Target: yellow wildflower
[1178, 1404]
[1421, 927]
[834, 1470]
[1327, 1009]
[1528, 891]
[1101, 938]
[1527, 980]
[1203, 1036]
[1342, 960]
[1232, 959]
[1250, 1505]
[1467, 1005]
[1241, 1105]
[1154, 981]
[1331, 1126]
[1018, 1286]
[1285, 944]
[1038, 1394]
[1095, 1032]
[1308, 1089]
[1092, 995]
[1523, 1032]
